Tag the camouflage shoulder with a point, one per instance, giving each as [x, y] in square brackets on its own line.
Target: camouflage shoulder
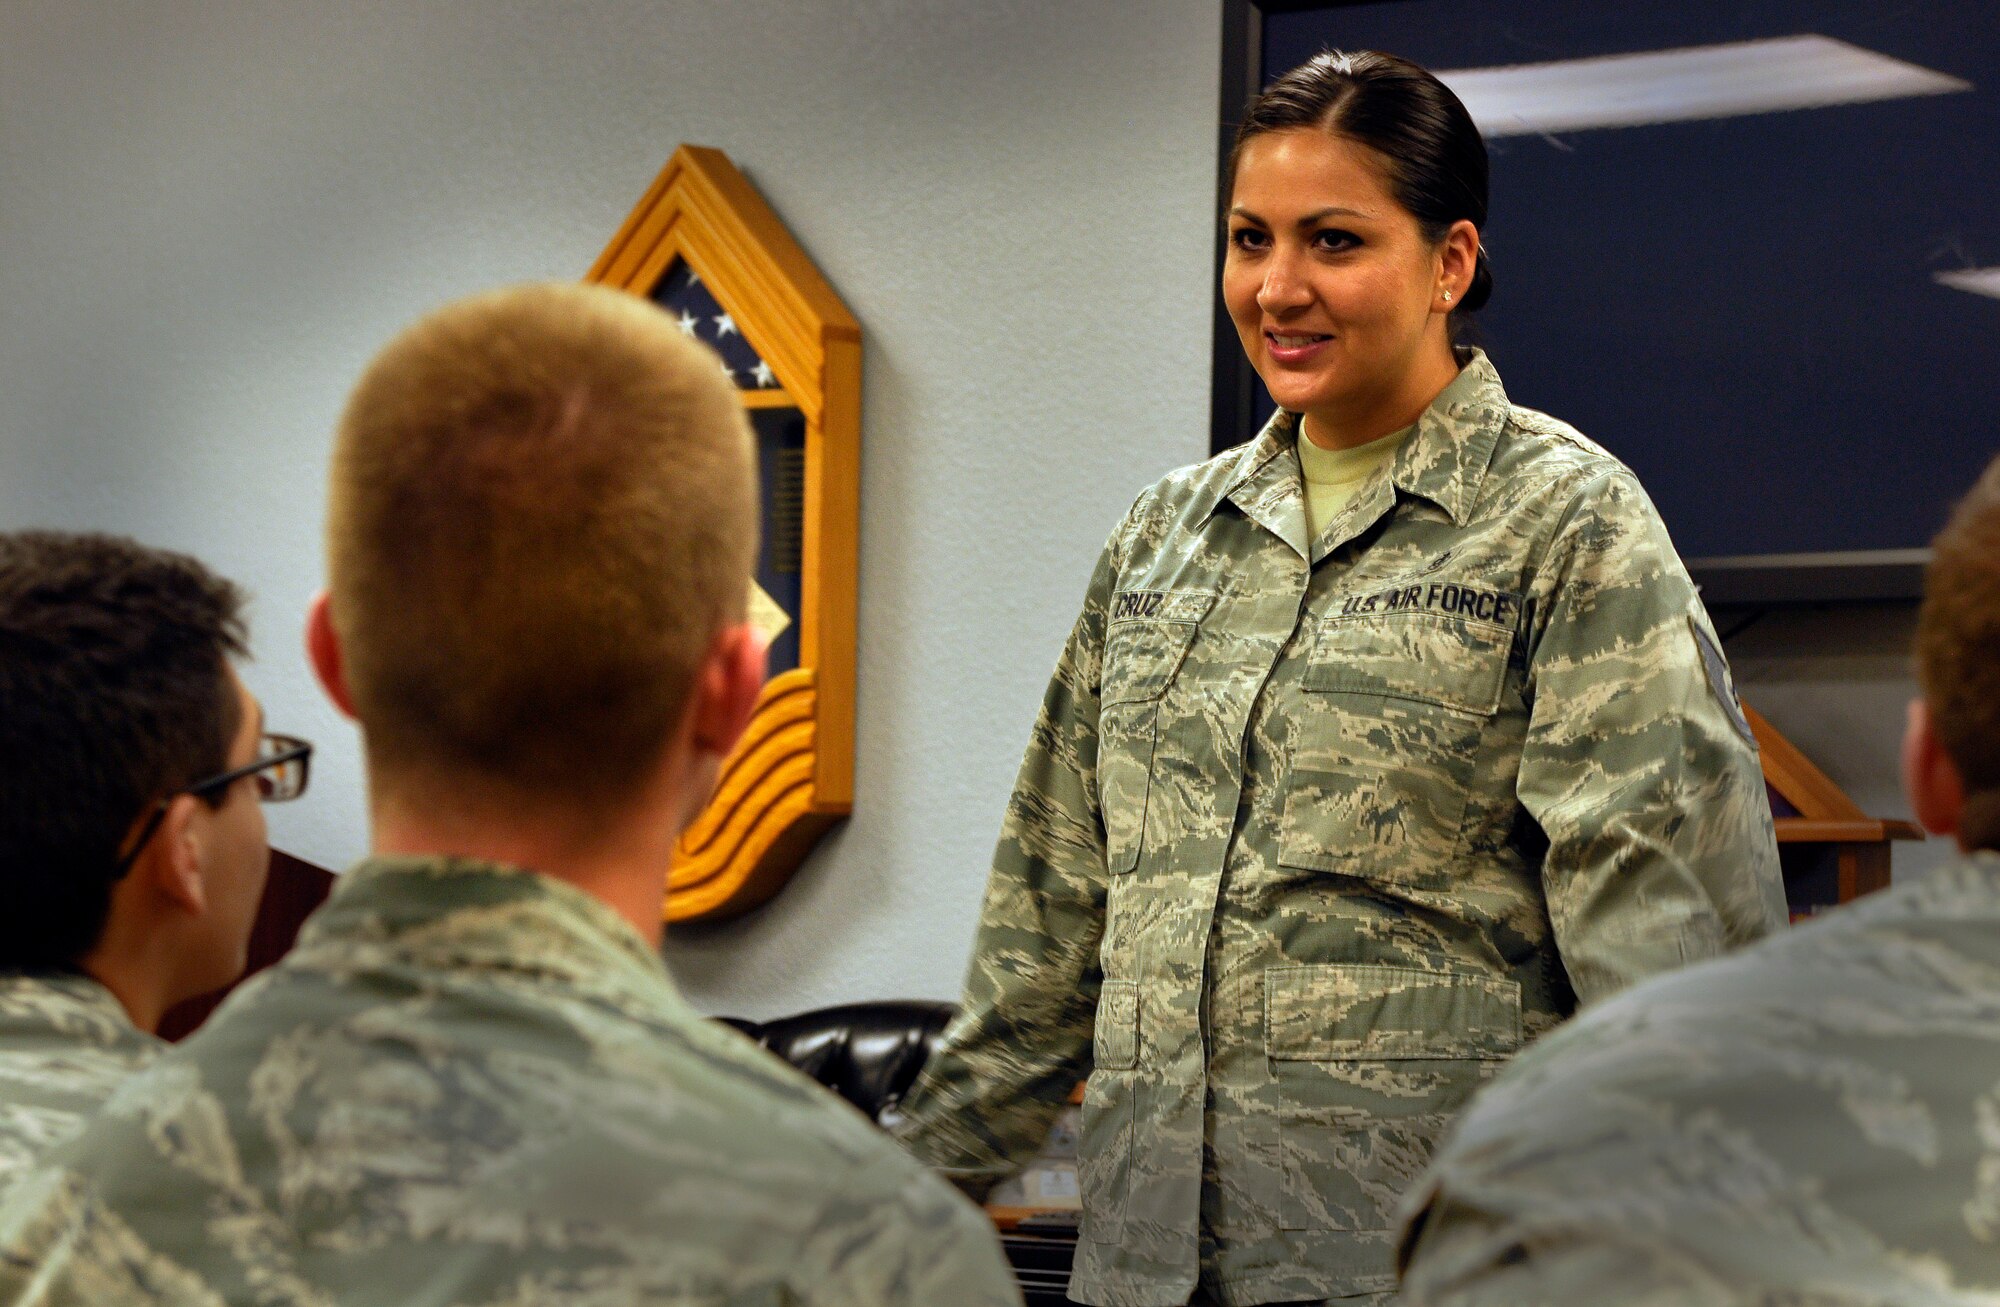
[1194, 488]
[1963, 890]
[1546, 478]
[911, 1245]
[1789, 971]
[1551, 453]
[1217, 472]
[1961, 895]
[1737, 1070]
[767, 1094]
[882, 1229]
[1533, 424]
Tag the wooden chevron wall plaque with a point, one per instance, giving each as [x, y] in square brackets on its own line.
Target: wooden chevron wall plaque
[705, 246]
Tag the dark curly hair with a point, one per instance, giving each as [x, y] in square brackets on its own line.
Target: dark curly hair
[1436, 157]
[114, 692]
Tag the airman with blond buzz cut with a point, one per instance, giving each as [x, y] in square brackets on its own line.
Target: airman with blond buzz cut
[472, 1081]
[542, 513]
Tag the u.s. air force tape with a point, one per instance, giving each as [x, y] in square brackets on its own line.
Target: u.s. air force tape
[1436, 597]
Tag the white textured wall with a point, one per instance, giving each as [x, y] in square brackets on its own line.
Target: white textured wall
[212, 213]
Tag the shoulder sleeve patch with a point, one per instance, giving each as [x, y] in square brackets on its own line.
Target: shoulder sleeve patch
[1717, 671]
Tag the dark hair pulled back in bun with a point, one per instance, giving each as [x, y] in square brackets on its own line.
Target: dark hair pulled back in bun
[1436, 158]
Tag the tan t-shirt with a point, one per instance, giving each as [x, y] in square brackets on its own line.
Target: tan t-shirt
[1333, 475]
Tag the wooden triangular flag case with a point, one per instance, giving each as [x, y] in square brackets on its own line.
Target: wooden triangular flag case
[705, 246]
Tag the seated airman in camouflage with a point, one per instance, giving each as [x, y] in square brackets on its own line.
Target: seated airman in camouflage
[472, 1080]
[1812, 1121]
[132, 849]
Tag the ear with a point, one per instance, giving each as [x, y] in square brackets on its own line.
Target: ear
[1458, 258]
[726, 688]
[323, 652]
[1931, 780]
[172, 861]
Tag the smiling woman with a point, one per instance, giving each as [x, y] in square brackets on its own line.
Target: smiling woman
[1337, 294]
[1355, 207]
[1382, 742]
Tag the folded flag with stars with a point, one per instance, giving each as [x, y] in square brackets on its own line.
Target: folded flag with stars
[683, 296]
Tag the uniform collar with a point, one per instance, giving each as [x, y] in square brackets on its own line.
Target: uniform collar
[1443, 460]
[469, 915]
[1267, 486]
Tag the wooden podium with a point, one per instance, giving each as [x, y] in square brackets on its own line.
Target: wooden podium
[1831, 851]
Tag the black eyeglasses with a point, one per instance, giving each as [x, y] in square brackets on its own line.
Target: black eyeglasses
[281, 767]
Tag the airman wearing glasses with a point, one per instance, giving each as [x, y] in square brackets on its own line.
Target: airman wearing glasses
[132, 851]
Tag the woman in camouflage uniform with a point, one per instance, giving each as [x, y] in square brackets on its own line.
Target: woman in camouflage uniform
[1381, 742]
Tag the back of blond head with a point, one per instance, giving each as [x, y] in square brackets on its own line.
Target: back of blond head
[542, 511]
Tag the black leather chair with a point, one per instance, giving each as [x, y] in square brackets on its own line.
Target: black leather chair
[868, 1053]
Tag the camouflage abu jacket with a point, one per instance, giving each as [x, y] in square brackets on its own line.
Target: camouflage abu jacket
[1312, 834]
[1811, 1122]
[476, 1086]
[65, 1044]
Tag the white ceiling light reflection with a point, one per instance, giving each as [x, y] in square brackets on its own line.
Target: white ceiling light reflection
[1707, 81]
[1980, 281]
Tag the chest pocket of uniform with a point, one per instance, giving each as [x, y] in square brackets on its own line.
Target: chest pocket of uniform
[1143, 652]
[1382, 753]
